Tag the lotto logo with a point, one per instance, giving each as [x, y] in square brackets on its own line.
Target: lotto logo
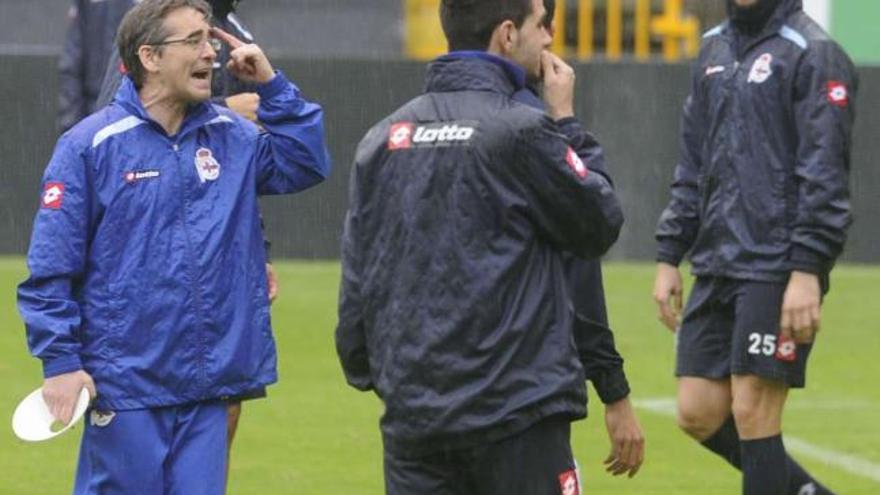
[786, 350]
[715, 69]
[139, 175]
[53, 195]
[400, 136]
[568, 483]
[446, 133]
[575, 163]
[405, 135]
[838, 94]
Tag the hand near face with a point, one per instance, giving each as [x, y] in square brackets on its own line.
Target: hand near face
[247, 62]
[558, 86]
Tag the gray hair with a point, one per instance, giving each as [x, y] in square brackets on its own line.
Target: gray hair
[143, 25]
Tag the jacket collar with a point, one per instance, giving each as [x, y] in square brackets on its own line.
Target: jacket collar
[530, 95]
[474, 70]
[743, 42]
[197, 115]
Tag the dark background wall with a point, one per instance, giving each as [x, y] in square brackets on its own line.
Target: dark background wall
[632, 108]
[301, 28]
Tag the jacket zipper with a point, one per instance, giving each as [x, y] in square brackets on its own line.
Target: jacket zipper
[197, 294]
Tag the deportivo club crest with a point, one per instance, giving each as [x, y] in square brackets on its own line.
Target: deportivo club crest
[206, 165]
[761, 70]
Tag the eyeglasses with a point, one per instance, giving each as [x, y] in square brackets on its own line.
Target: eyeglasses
[193, 42]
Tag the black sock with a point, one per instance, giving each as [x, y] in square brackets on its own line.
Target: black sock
[801, 483]
[725, 442]
[764, 466]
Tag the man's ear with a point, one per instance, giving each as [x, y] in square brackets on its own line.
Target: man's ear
[149, 56]
[504, 39]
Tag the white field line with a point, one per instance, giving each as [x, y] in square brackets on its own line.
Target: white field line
[841, 460]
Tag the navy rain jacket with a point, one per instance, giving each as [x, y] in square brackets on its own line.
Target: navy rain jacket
[603, 365]
[89, 43]
[147, 268]
[761, 188]
[454, 305]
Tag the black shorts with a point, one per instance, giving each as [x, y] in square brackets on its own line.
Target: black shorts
[537, 461]
[731, 327]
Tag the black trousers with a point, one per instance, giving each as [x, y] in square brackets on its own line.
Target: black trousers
[537, 461]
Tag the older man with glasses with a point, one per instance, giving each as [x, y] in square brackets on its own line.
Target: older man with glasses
[147, 270]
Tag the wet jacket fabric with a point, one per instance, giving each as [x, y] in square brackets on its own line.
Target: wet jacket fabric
[88, 46]
[147, 268]
[761, 188]
[454, 306]
[603, 365]
[223, 83]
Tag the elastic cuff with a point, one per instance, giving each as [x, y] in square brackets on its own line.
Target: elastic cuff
[274, 87]
[804, 259]
[360, 382]
[670, 251]
[612, 386]
[570, 126]
[61, 365]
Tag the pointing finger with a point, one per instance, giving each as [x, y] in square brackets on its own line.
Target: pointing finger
[227, 38]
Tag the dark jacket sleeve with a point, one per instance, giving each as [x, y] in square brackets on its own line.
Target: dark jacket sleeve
[585, 145]
[603, 365]
[679, 222]
[576, 209]
[825, 93]
[112, 80]
[72, 105]
[351, 340]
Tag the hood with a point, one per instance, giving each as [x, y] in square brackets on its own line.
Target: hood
[753, 19]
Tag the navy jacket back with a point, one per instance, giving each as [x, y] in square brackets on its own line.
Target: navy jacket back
[454, 305]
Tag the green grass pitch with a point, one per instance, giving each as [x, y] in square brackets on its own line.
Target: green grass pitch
[314, 435]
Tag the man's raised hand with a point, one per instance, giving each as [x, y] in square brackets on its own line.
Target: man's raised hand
[246, 61]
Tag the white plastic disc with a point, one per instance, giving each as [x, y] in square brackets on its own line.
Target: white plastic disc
[33, 422]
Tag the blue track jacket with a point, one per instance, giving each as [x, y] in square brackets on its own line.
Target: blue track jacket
[147, 267]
